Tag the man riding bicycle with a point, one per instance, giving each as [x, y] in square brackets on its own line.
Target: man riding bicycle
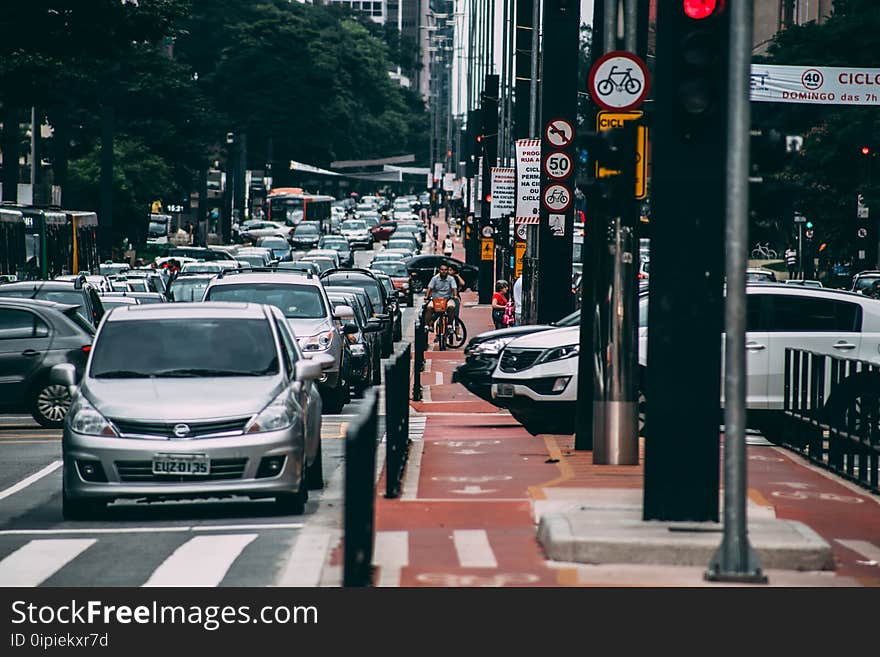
[442, 287]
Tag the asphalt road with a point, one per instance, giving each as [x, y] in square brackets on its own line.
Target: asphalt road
[235, 542]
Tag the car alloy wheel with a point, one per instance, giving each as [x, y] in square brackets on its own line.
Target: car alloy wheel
[51, 405]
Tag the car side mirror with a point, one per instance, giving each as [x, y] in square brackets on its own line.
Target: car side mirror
[343, 313]
[63, 374]
[326, 361]
[350, 329]
[373, 324]
[308, 370]
[382, 316]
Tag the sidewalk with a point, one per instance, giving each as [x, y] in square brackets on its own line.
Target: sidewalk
[486, 504]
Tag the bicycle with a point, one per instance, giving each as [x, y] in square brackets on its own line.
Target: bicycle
[763, 252]
[557, 196]
[628, 83]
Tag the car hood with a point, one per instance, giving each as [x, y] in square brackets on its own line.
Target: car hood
[303, 328]
[511, 332]
[181, 399]
[548, 339]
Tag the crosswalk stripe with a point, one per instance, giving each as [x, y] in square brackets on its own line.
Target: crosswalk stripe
[391, 554]
[201, 561]
[473, 549]
[867, 549]
[27, 481]
[37, 560]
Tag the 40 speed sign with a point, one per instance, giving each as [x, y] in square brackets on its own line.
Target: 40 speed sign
[558, 165]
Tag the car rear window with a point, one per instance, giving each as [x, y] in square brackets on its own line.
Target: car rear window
[188, 290]
[295, 301]
[368, 285]
[212, 347]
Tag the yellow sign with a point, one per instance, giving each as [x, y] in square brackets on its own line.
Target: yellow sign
[487, 249]
[518, 258]
[612, 120]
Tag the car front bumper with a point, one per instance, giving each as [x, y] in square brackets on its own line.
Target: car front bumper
[235, 461]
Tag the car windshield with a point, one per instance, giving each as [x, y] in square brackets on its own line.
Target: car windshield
[188, 290]
[295, 301]
[353, 225]
[392, 268]
[253, 260]
[306, 229]
[336, 246]
[213, 347]
[366, 284]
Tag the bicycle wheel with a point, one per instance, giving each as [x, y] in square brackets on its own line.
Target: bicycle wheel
[440, 330]
[771, 254]
[457, 334]
[604, 87]
[632, 86]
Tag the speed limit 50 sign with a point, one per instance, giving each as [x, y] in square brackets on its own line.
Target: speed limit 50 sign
[558, 165]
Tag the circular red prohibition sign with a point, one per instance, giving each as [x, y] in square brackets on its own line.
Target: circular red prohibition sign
[619, 81]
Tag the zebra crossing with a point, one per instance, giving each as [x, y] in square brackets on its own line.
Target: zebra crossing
[173, 558]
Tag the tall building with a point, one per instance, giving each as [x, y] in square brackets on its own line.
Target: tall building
[772, 16]
[375, 9]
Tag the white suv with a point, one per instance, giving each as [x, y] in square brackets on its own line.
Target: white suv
[779, 316]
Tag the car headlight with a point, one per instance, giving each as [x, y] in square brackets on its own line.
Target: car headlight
[85, 419]
[319, 342]
[491, 347]
[279, 414]
[558, 353]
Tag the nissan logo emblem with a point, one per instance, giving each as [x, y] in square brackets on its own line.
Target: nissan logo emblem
[180, 430]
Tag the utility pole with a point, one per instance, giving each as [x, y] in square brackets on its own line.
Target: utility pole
[489, 142]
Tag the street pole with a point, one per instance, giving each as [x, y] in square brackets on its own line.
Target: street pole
[735, 560]
[801, 249]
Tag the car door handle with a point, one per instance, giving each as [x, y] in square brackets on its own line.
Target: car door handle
[844, 345]
[755, 346]
[30, 353]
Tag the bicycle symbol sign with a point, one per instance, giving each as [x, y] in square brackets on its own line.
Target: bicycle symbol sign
[557, 198]
[619, 81]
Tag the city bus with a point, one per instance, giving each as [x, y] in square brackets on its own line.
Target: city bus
[290, 205]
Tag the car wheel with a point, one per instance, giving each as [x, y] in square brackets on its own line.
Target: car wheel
[315, 472]
[74, 509]
[293, 504]
[50, 405]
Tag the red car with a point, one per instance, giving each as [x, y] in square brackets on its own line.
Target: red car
[383, 231]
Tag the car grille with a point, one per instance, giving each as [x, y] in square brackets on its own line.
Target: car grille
[142, 471]
[132, 428]
[517, 360]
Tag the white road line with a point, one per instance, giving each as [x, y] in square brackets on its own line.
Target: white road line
[146, 530]
[306, 560]
[473, 549]
[27, 481]
[201, 561]
[33, 563]
[391, 554]
[439, 377]
[410, 490]
[867, 549]
[278, 525]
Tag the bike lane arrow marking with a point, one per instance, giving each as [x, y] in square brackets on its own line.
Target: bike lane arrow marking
[474, 490]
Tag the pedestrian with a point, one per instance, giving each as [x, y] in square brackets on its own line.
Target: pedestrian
[517, 301]
[448, 245]
[499, 304]
[435, 232]
[791, 259]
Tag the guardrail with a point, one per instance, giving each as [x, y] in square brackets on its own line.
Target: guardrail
[397, 373]
[420, 343]
[832, 414]
[360, 495]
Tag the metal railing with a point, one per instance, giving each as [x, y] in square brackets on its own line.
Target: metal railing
[832, 414]
[397, 373]
[360, 495]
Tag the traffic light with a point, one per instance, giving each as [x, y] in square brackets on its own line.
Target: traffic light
[808, 225]
[866, 150]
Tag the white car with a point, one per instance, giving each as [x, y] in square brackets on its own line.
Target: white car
[357, 233]
[324, 253]
[528, 379]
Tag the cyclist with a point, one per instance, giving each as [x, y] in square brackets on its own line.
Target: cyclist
[441, 286]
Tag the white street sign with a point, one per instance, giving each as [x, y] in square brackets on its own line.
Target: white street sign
[558, 166]
[528, 175]
[817, 85]
[503, 191]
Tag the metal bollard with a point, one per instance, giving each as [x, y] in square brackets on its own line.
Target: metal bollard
[420, 339]
[360, 496]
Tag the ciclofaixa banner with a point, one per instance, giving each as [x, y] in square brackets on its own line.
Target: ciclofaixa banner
[820, 85]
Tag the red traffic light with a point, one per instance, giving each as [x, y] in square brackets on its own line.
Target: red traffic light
[700, 9]
[866, 150]
[479, 138]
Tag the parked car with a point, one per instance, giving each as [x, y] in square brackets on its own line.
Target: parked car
[483, 351]
[367, 281]
[341, 246]
[231, 410]
[423, 267]
[303, 301]
[79, 293]
[396, 270]
[306, 235]
[36, 335]
[357, 233]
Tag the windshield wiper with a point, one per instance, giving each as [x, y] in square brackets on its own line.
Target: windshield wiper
[199, 372]
[123, 374]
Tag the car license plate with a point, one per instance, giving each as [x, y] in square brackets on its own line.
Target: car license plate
[505, 390]
[181, 464]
